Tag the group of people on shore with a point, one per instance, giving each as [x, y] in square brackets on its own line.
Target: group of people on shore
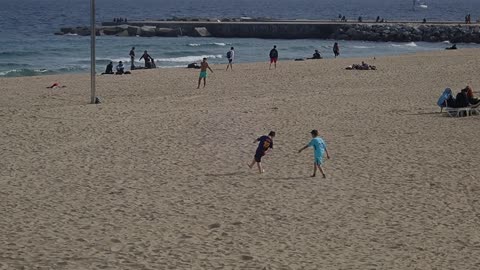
[120, 20]
[265, 143]
[462, 99]
[468, 19]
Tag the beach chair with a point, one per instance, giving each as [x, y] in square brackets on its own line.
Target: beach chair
[465, 111]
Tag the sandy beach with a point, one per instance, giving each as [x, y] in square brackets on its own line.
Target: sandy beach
[156, 176]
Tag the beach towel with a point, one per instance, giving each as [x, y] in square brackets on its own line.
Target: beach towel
[444, 97]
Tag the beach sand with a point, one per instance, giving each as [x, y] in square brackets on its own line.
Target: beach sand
[156, 177]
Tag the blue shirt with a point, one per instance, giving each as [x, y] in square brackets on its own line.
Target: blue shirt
[319, 146]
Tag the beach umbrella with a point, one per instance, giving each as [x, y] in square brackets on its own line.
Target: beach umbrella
[92, 51]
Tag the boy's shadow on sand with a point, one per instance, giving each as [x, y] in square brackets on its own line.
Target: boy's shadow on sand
[260, 176]
[226, 174]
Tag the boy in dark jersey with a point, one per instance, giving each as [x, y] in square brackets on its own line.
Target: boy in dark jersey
[265, 143]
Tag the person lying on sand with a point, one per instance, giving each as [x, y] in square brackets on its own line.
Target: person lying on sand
[319, 149]
[264, 144]
[362, 66]
[56, 85]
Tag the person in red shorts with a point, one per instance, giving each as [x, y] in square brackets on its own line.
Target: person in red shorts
[273, 56]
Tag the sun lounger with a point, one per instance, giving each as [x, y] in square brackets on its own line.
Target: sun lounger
[465, 111]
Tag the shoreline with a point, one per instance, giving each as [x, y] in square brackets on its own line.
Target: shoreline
[184, 66]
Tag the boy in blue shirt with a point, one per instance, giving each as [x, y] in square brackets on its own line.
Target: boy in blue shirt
[265, 143]
[320, 148]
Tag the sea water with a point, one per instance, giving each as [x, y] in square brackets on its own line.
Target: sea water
[28, 46]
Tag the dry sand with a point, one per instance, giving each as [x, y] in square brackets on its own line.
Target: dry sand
[156, 177]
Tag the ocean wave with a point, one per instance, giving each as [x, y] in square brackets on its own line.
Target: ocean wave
[25, 72]
[188, 59]
[362, 47]
[18, 53]
[208, 44]
[411, 44]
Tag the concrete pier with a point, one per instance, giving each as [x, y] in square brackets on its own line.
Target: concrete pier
[400, 31]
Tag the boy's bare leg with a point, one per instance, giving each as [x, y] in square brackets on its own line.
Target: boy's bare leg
[260, 169]
[204, 82]
[199, 81]
[251, 164]
[321, 170]
[314, 169]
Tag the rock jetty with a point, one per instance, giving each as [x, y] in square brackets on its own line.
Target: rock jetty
[397, 32]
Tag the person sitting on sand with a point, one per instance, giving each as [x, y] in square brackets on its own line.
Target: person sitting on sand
[453, 47]
[120, 68]
[203, 73]
[316, 55]
[109, 69]
[319, 148]
[265, 143]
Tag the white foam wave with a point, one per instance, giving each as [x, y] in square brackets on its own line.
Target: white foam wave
[411, 44]
[362, 47]
[208, 44]
[188, 59]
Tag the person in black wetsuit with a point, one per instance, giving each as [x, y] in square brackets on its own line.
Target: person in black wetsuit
[147, 58]
[109, 69]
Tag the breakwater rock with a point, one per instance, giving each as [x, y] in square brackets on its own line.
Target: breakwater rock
[398, 32]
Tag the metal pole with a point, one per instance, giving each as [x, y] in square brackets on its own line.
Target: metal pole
[92, 50]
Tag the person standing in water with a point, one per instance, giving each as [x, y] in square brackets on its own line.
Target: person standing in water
[336, 49]
[132, 58]
[230, 57]
[203, 73]
[273, 56]
[147, 59]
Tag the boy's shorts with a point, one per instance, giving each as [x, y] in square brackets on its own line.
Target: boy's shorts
[203, 74]
[258, 157]
[273, 60]
[318, 160]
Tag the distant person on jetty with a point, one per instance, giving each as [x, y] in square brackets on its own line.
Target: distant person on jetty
[132, 58]
[319, 148]
[265, 143]
[203, 73]
[378, 19]
[273, 56]
[230, 57]
[120, 68]
[109, 69]
[336, 49]
[316, 55]
[147, 58]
